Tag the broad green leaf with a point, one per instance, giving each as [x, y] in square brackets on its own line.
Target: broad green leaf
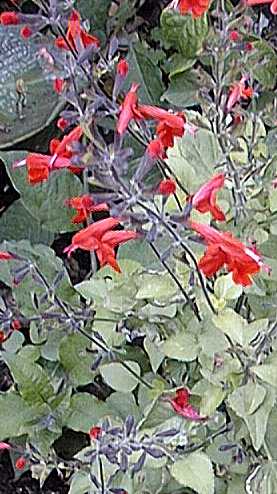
[211, 399]
[262, 63]
[156, 286]
[19, 64]
[231, 323]
[271, 433]
[182, 90]
[14, 415]
[86, 411]
[143, 70]
[193, 158]
[80, 483]
[225, 288]
[246, 399]
[75, 360]
[33, 381]
[266, 372]
[122, 405]
[119, 378]
[182, 346]
[154, 352]
[184, 33]
[273, 200]
[17, 224]
[195, 471]
[263, 479]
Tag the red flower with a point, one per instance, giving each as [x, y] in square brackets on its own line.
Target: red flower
[9, 18]
[273, 3]
[224, 249]
[204, 199]
[128, 110]
[5, 256]
[20, 463]
[248, 46]
[195, 7]
[167, 187]
[62, 123]
[76, 35]
[181, 405]
[58, 85]
[64, 145]
[234, 36]
[26, 32]
[122, 67]
[4, 446]
[170, 124]
[155, 149]
[16, 325]
[100, 237]
[2, 337]
[95, 432]
[240, 90]
[39, 166]
[84, 205]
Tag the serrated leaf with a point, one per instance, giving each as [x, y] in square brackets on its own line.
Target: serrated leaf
[195, 471]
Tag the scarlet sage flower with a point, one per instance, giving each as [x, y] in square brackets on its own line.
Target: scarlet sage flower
[122, 68]
[155, 149]
[100, 237]
[39, 166]
[240, 90]
[84, 206]
[204, 200]
[128, 110]
[76, 36]
[5, 256]
[273, 4]
[20, 463]
[195, 7]
[95, 432]
[181, 405]
[9, 18]
[26, 32]
[225, 250]
[167, 187]
[170, 125]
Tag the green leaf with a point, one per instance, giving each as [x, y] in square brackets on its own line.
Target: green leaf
[273, 200]
[182, 346]
[193, 158]
[225, 288]
[14, 414]
[182, 90]
[86, 411]
[184, 33]
[143, 70]
[75, 359]
[231, 324]
[246, 399]
[119, 378]
[195, 471]
[262, 64]
[80, 483]
[19, 62]
[266, 372]
[156, 286]
[211, 399]
[33, 382]
[45, 202]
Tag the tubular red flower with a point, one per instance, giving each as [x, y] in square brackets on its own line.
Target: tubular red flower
[5, 256]
[181, 405]
[98, 237]
[239, 90]
[75, 34]
[204, 200]
[122, 67]
[20, 463]
[224, 249]
[84, 206]
[167, 187]
[58, 85]
[95, 432]
[155, 149]
[9, 18]
[195, 7]
[26, 32]
[128, 110]
[39, 166]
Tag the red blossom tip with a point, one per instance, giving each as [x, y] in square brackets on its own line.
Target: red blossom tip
[26, 32]
[20, 463]
[167, 187]
[9, 18]
[95, 432]
[122, 67]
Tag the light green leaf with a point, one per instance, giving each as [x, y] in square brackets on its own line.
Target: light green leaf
[266, 372]
[119, 378]
[195, 471]
[86, 411]
[80, 483]
[182, 346]
[231, 324]
[211, 399]
[14, 414]
[246, 399]
[225, 288]
[156, 286]
[182, 90]
[75, 359]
